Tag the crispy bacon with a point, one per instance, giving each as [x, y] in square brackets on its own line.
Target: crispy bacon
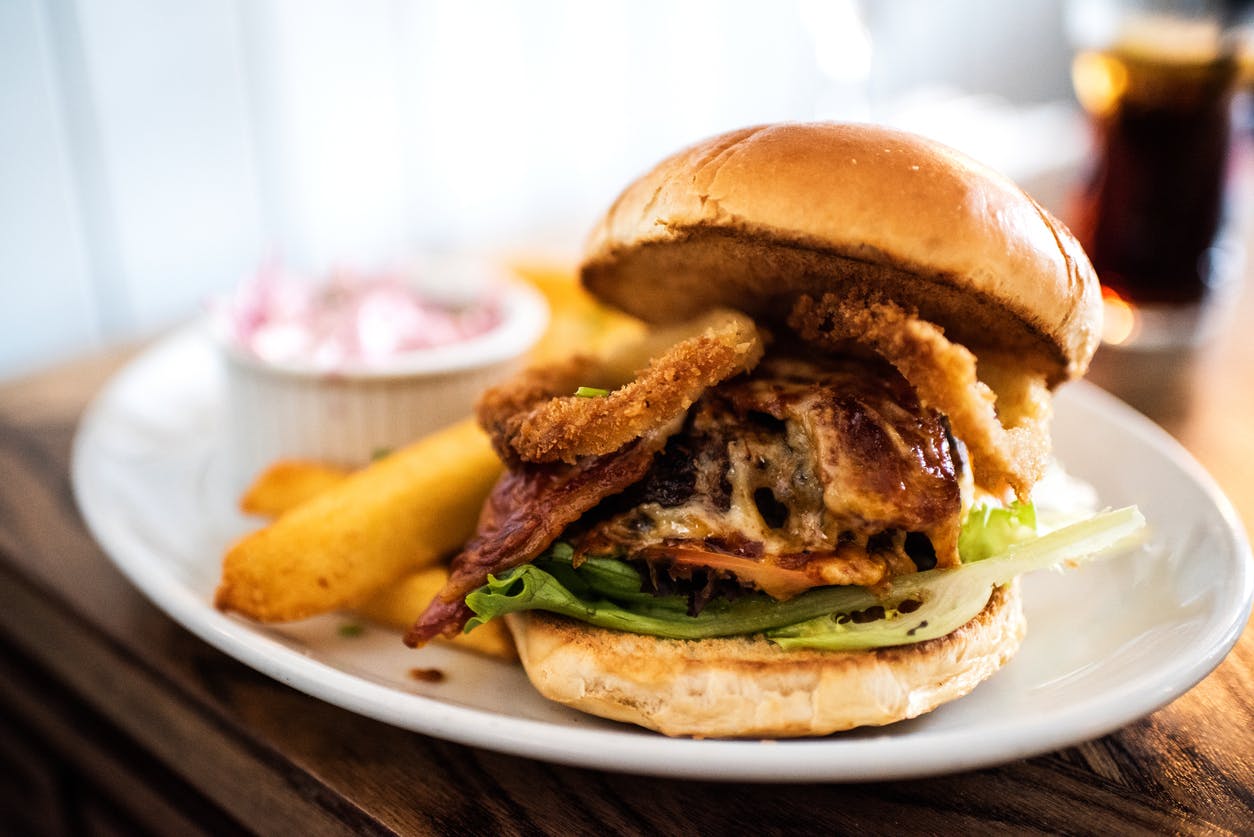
[528, 509]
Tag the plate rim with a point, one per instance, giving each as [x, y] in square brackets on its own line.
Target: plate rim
[876, 757]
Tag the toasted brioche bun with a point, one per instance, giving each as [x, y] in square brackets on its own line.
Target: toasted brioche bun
[752, 218]
[748, 687]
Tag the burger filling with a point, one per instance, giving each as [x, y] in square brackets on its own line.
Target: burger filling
[804, 473]
[811, 497]
[800, 475]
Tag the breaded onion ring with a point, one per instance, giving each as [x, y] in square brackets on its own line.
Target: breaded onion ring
[536, 418]
[1006, 431]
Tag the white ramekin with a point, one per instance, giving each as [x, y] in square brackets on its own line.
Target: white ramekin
[292, 411]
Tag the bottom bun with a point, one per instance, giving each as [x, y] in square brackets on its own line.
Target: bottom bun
[748, 687]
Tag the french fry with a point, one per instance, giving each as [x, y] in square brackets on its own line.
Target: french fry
[578, 322]
[288, 483]
[291, 482]
[398, 605]
[397, 515]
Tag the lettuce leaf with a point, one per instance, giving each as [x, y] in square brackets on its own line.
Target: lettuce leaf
[989, 530]
[608, 593]
[948, 599]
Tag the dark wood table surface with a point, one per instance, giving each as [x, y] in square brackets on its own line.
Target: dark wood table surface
[113, 719]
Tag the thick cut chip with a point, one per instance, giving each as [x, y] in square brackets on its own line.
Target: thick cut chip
[398, 605]
[287, 484]
[399, 514]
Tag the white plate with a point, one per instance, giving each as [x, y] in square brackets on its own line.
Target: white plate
[1107, 643]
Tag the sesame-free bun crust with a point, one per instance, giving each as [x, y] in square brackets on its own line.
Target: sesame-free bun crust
[752, 218]
[747, 687]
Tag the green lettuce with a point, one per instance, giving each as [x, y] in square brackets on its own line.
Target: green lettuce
[990, 530]
[609, 593]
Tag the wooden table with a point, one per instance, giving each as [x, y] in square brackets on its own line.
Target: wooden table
[112, 717]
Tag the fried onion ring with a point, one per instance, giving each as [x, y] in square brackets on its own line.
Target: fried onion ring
[535, 417]
[1005, 429]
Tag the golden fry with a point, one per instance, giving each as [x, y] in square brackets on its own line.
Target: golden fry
[398, 605]
[578, 322]
[397, 515]
[288, 483]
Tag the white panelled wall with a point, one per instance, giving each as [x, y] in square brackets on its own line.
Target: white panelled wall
[153, 152]
[47, 298]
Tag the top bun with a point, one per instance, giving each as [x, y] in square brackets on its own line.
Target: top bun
[753, 218]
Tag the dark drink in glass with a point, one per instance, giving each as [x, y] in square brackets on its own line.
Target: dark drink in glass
[1158, 80]
[1151, 212]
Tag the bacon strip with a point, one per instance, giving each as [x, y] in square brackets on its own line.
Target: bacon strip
[528, 509]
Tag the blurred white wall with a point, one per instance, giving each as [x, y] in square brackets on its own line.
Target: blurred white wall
[152, 152]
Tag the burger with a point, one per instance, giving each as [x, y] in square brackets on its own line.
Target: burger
[802, 502]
